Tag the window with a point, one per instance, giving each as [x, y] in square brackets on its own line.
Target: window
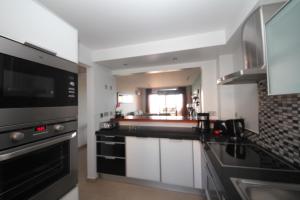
[125, 98]
[169, 104]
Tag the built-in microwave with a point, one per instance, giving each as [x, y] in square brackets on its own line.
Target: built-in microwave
[35, 86]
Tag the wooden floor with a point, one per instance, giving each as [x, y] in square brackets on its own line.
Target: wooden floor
[110, 190]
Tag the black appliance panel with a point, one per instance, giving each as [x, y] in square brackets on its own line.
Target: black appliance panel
[24, 176]
[111, 165]
[110, 138]
[235, 127]
[111, 149]
[24, 83]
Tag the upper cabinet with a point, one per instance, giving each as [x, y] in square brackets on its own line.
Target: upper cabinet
[283, 50]
[28, 21]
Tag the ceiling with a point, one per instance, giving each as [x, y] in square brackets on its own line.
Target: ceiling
[193, 55]
[184, 77]
[113, 23]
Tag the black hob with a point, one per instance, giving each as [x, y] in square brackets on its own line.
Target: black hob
[246, 155]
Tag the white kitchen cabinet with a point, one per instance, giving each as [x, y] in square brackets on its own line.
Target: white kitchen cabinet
[197, 148]
[28, 21]
[143, 158]
[283, 50]
[177, 162]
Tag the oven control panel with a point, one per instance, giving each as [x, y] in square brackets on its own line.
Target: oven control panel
[72, 87]
[32, 134]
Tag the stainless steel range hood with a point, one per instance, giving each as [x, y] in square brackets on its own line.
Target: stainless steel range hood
[254, 47]
[244, 76]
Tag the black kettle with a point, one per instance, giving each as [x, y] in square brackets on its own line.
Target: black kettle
[235, 128]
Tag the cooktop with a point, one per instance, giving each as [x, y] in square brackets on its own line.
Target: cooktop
[247, 156]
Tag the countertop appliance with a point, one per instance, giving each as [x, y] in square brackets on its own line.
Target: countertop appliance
[219, 128]
[38, 162]
[109, 125]
[38, 123]
[35, 86]
[203, 122]
[235, 128]
[254, 47]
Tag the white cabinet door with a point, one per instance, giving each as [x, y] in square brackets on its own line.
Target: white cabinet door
[27, 21]
[197, 148]
[142, 158]
[177, 162]
[283, 50]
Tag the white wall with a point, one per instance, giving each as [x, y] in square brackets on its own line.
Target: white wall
[226, 92]
[28, 21]
[236, 101]
[99, 100]
[209, 92]
[163, 46]
[246, 96]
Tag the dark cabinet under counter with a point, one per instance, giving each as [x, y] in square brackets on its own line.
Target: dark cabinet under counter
[110, 138]
[111, 149]
[111, 165]
[111, 155]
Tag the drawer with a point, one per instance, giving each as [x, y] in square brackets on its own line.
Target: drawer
[110, 138]
[111, 149]
[111, 165]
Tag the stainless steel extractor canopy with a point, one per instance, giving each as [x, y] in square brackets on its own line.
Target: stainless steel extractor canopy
[254, 47]
[244, 76]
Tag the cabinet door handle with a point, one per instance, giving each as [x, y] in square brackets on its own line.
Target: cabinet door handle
[109, 136]
[109, 143]
[109, 157]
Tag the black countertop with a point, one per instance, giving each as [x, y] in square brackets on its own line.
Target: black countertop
[155, 132]
[253, 167]
[224, 172]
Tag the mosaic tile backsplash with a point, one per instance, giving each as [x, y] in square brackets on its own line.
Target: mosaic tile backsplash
[279, 124]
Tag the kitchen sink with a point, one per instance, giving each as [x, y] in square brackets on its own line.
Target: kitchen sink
[261, 190]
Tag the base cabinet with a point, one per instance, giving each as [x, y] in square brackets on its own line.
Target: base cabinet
[111, 165]
[111, 155]
[143, 158]
[197, 149]
[177, 162]
[169, 161]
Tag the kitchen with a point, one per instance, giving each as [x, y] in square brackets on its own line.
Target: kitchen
[198, 103]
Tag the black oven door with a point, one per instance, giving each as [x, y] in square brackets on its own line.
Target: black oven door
[44, 170]
[27, 84]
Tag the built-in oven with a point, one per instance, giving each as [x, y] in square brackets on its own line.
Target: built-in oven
[38, 123]
[35, 86]
[38, 163]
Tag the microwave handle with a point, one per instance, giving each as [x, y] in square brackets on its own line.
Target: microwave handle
[29, 149]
